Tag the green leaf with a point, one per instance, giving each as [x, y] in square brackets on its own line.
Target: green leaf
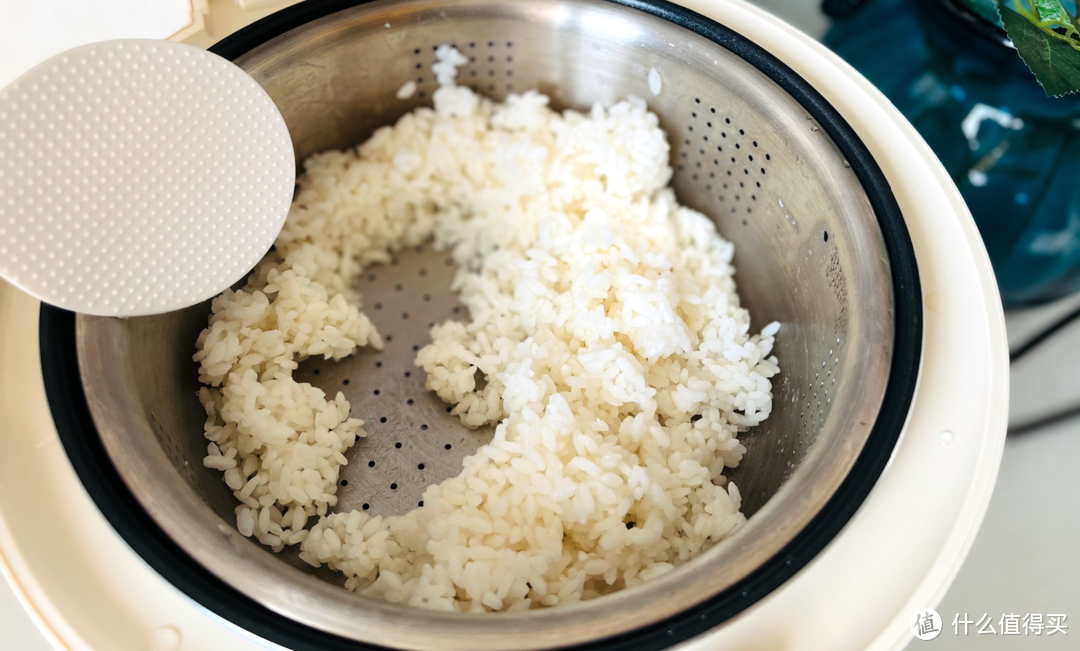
[1049, 9]
[1054, 62]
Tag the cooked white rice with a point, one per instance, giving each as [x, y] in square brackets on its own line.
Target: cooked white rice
[603, 321]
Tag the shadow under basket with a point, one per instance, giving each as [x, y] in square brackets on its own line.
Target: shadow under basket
[821, 247]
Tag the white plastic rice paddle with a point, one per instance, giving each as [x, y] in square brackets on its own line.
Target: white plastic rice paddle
[138, 177]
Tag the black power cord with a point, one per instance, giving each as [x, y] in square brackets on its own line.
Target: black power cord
[1026, 348]
[1046, 333]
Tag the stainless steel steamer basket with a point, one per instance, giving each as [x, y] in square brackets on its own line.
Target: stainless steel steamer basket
[820, 247]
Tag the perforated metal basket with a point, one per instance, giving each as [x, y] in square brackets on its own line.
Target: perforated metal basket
[820, 247]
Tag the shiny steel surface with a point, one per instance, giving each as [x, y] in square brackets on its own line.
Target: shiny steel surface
[808, 251]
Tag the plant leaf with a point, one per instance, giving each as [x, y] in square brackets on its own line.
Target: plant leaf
[1054, 63]
[1051, 17]
[987, 9]
[1049, 9]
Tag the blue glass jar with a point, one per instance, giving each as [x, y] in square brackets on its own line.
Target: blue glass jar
[1013, 152]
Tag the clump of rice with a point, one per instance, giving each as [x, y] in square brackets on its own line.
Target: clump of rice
[605, 341]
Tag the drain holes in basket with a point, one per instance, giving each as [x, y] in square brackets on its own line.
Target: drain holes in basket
[706, 126]
[407, 426]
[495, 63]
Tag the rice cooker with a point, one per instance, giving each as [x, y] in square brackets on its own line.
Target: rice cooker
[864, 490]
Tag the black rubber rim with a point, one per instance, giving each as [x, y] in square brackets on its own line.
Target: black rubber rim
[94, 468]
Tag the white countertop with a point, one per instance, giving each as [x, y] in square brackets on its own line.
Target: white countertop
[1024, 559]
